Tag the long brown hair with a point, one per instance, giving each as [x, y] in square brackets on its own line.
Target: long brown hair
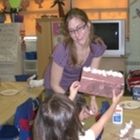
[57, 119]
[78, 13]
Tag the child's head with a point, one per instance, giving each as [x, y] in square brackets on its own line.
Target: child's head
[57, 118]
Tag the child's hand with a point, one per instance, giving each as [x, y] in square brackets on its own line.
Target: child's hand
[74, 89]
[117, 98]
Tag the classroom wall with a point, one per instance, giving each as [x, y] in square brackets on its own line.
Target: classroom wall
[132, 60]
[133, 44]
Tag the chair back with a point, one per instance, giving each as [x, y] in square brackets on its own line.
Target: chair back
[24, 118]
[23, 122]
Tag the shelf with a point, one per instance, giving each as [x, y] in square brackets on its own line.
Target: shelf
[30, 61]
[30, 72]
[30, 66]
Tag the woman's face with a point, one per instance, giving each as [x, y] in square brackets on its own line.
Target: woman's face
[78, 30]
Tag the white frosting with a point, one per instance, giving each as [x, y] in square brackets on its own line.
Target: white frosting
[126, 129]
[87, 69]
[128, 125]
[131, 122]
[103, 72]
[123, 132]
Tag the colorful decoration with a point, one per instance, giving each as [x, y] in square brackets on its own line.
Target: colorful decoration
[60, 4]
[39, 2]
[6, 5]
[24, 4]
[14, 3]
[38, 27]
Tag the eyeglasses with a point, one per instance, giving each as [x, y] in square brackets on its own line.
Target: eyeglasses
[78, 29]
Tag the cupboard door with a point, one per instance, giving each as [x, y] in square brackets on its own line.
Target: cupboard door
[48, 35]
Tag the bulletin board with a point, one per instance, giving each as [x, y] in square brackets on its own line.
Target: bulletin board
[57, 33]
[9, 42]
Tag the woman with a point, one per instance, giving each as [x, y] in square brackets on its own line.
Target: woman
[57, 118]
[79, 49]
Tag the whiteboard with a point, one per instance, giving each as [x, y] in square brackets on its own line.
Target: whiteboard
[9, 42]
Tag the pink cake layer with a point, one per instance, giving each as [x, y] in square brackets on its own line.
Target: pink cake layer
[99, 85]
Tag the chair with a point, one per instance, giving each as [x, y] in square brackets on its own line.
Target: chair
[23, 122]
[9, 132]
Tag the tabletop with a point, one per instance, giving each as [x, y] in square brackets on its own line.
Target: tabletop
[9, 103]
[112, 131]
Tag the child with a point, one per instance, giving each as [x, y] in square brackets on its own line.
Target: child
[57, 118]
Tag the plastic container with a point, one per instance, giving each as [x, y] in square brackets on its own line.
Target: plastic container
[22, 77]
[31, 55]
[136, 93]
[117, 117]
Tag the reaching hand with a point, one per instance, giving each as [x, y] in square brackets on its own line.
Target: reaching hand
[116, 98]
[74, 89]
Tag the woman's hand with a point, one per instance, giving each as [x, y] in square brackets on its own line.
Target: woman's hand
[85, 113]
[74, 89]
[89, 110]
[93, 105]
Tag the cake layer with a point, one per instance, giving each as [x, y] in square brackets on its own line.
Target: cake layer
[100, 82]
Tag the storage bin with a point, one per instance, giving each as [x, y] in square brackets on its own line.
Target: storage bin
[22, 77]
[18, 18]
[136, 93]
[31, 55]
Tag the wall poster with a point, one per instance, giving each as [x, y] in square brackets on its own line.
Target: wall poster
[9, 42]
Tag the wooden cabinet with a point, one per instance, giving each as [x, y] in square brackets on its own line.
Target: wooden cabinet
[48, 35]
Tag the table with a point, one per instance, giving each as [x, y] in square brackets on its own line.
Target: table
[8, 104]
[111, 130]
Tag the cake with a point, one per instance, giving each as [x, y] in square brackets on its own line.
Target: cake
[99, 82]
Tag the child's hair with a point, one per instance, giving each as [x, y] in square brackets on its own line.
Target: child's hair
[57, 119]
[80, 102]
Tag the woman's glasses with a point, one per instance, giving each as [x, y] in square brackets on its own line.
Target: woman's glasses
[78, 29]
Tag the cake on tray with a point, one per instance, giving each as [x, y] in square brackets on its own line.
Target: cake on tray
[99, 82]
